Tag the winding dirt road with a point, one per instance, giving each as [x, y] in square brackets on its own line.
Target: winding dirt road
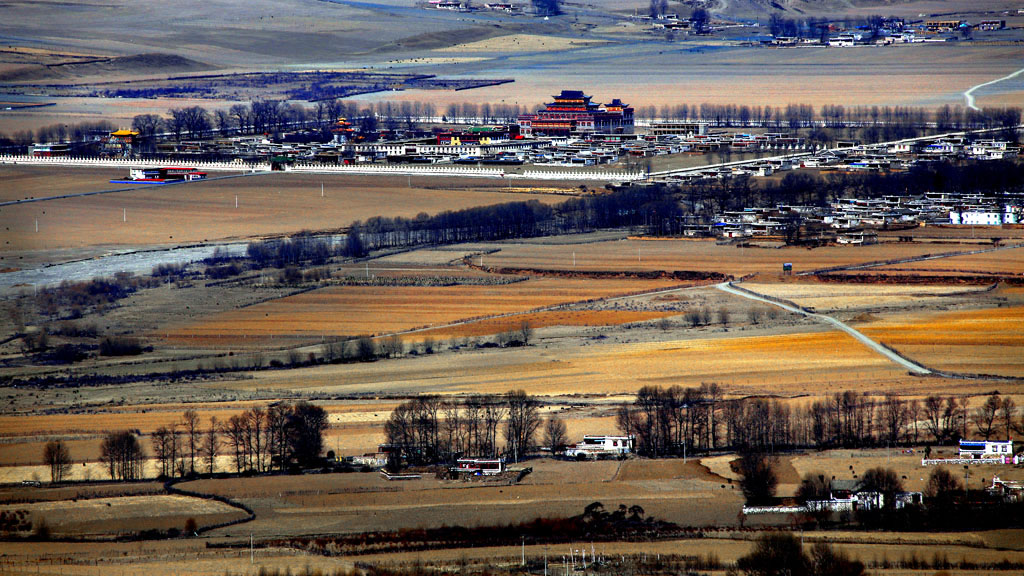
[908, 364]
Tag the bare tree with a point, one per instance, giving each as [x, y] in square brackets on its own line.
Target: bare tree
[984, 416]
[1006, 410]
[211, 445]
[57, 456]
[190, 421]
[522, 423]
[555, 435]
[123, 455]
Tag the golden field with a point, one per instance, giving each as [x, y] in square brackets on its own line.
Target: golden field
[355, 310]
[989, 341]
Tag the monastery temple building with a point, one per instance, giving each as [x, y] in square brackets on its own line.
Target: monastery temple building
[572, 114]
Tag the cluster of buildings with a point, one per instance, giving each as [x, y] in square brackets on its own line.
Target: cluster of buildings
[855, 220]
[891, 31]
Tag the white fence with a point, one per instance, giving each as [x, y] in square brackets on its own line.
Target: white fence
[130, 163]
[443, 170]
[971, 461]
[396, 169]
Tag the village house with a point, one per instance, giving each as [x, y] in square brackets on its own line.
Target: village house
[596, 446]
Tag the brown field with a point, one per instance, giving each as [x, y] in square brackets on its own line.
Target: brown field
[696, 255]
[987, 341]
[789, 363]
[536, 320]
[687, 494]
[21, 182]
[268, 204]
[353, 310]
[1002, 262]
[126, 514]
[829, 297]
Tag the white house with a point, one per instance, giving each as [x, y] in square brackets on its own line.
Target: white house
[987, 216]
[978, 449]
[593, 446]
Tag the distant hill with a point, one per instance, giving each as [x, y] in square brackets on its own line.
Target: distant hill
[138, 65]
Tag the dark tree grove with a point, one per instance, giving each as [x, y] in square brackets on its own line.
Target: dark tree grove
[430, 430]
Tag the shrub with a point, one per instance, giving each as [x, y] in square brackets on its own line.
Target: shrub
[120, 346]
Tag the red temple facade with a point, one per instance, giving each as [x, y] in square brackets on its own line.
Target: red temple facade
[572, 114]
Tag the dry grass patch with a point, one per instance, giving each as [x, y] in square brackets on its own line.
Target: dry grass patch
[268, 204]
[829, 297]
[353, 310]
[542, 320]
[989, 341]
[126, 514]
[639, 255]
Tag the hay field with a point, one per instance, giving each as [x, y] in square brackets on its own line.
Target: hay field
[639, 255]
[354, 310]
[795, 361]
[268, 204]
[989, 341]
[120, 515]
[829, 297]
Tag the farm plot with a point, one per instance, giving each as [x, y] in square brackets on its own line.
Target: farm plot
[22, 182]
[989, 341]
[268, 204]
[799, 362]
[354, 310]
[360, 502]
[123, 515]
[1003, 262]
[828, 297]
[669, 255]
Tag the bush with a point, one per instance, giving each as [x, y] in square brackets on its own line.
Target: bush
[758, 477]
[120, 346]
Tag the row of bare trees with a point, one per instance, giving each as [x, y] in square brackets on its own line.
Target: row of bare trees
[671, 421]
[260, 439]
[430, 429]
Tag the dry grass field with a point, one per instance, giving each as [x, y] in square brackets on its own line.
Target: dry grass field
[639, 255]
[687, 494]
[1002, 262]
[787, 363]
[989, 341]
[126, 514]
[354, 310]
[831, 298]
[268, 204]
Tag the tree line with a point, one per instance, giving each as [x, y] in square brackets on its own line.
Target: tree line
[278, 437]
[674, 421]
[430, 429]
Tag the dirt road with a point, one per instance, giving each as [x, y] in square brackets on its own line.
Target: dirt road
[910, 365]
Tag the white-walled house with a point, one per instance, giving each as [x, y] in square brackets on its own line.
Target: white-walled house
[594, 446]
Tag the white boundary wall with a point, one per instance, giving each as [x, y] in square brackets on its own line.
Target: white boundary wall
[130, 163]
[403, 170]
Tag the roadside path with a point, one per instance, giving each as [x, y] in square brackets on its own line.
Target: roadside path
[730, 288]
[969, 93]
